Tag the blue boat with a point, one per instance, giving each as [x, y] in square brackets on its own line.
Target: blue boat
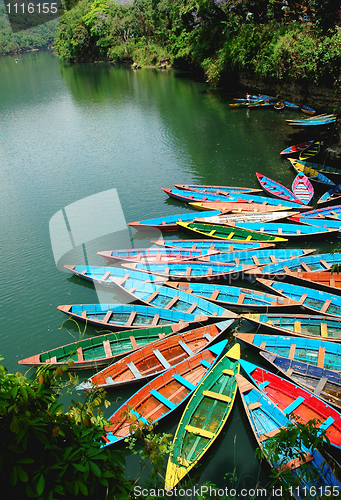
[233, 297]
[326, 384]
[310, 299]
[266, 420]
[312, 174]
[333, 212]
[318, 262]
[291, 105]
[274, 188]
[289, 231]
[167, 223]
[127, 316]
[331, 196]
[220, 246]
[325, 223]
[183, 196]
[191, 271]
[310, 326]
[163, 394]
[307, 109]
[224, 190]
[316, 352]
[258, 257]
[331, 172]
[313, 123]
[149, 290]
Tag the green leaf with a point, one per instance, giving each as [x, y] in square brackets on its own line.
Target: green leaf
[95, 469]
[22, 474]
[26, 461]
[83, 488]
[14, 476]
[80, 467]
[40, 485]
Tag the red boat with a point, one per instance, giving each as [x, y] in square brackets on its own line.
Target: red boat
[302, 188]
[296, 148]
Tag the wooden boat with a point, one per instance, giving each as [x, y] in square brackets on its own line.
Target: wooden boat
[258, 257]
[302, 188]
[147, 288]
[314, 221]
[163, 394]
[313, 150]
[190, 196]
[288, 231]
[314, 118]
[296, 148]
[332, 173]
[279, 106]
[313, 351]
[127, 316]
[229, 219]
[325, 281]
[95, 352]
[300, 404]
[333, 212]
[307, 110]
[219, 245]
[331, 196]
[309, 123]
[318, 262]
[153, 359]
[309, 326]
[254, 97]
[167, 223]
[225, 190]
[241, 208]
[313, 175]
[291, 105]
[191, 271]
[267, 420]
[260, 104]
[204, 417]
[154, 254]
[235, 298]
[326, 384]
[276, 189]
[313, 300]
[227, 232]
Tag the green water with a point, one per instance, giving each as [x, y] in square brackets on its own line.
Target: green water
[73, 132]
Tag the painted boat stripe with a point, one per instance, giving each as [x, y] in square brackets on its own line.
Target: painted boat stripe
[264, 384]
[295, 404]
[184, 382]
[162, 359]
[162, 399]
[327, 423]
[186, 348]
[205, 363]
[139, 417]
[199, 432]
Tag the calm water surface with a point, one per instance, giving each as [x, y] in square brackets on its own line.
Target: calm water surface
[73, 132]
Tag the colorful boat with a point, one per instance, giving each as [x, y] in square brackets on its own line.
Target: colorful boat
[95, 352]
[191, 271]
[313, 175]
[331, 196]
[260, 104]
[318, 262]
[219, 245]
[163, 394]
[279, 106]
[167, 223]
[309, 326]
[300, 404]
[157, 357]
[309, 123]
[276, 189]
[302, 188]
[154, 254]
[316, 352]
[259, 257]
[204, 417]
[190, 196]
[333, 212]
[325, 281]
[127, 316]
[307, 110]
[296, 148]
[149, 289]
[313, 150]
[288, 231]
[233, 297]
[313, 221]
[326, 384]
[269, 205]
[313, 300]
[227, 232]
[229, 219]
[291, 105]
[216, 189]
[331, 172]
[267, 420]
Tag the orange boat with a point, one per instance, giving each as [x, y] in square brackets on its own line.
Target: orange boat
[325, 281]
[239, 207]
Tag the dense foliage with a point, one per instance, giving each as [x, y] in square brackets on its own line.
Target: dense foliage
[271, 39]
[36, 38]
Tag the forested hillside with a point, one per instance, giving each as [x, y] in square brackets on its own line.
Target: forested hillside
[273, 39]
[39, 37]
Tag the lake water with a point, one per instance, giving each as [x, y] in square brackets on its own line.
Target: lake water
[88, 148]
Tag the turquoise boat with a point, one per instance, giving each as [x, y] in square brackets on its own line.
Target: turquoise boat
[168, 222]
[258, 257]
[292, 231]
[333, 212]
[325, 223]
[318, 262]
[316, 352]
[330, 196]
[220, 246]
[149, 290]
[274, 188]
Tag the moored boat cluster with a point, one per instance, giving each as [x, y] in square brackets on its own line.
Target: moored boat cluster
[175, 339]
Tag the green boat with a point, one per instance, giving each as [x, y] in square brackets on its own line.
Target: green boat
[101, 350]
[226, 232]
[204, 417]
